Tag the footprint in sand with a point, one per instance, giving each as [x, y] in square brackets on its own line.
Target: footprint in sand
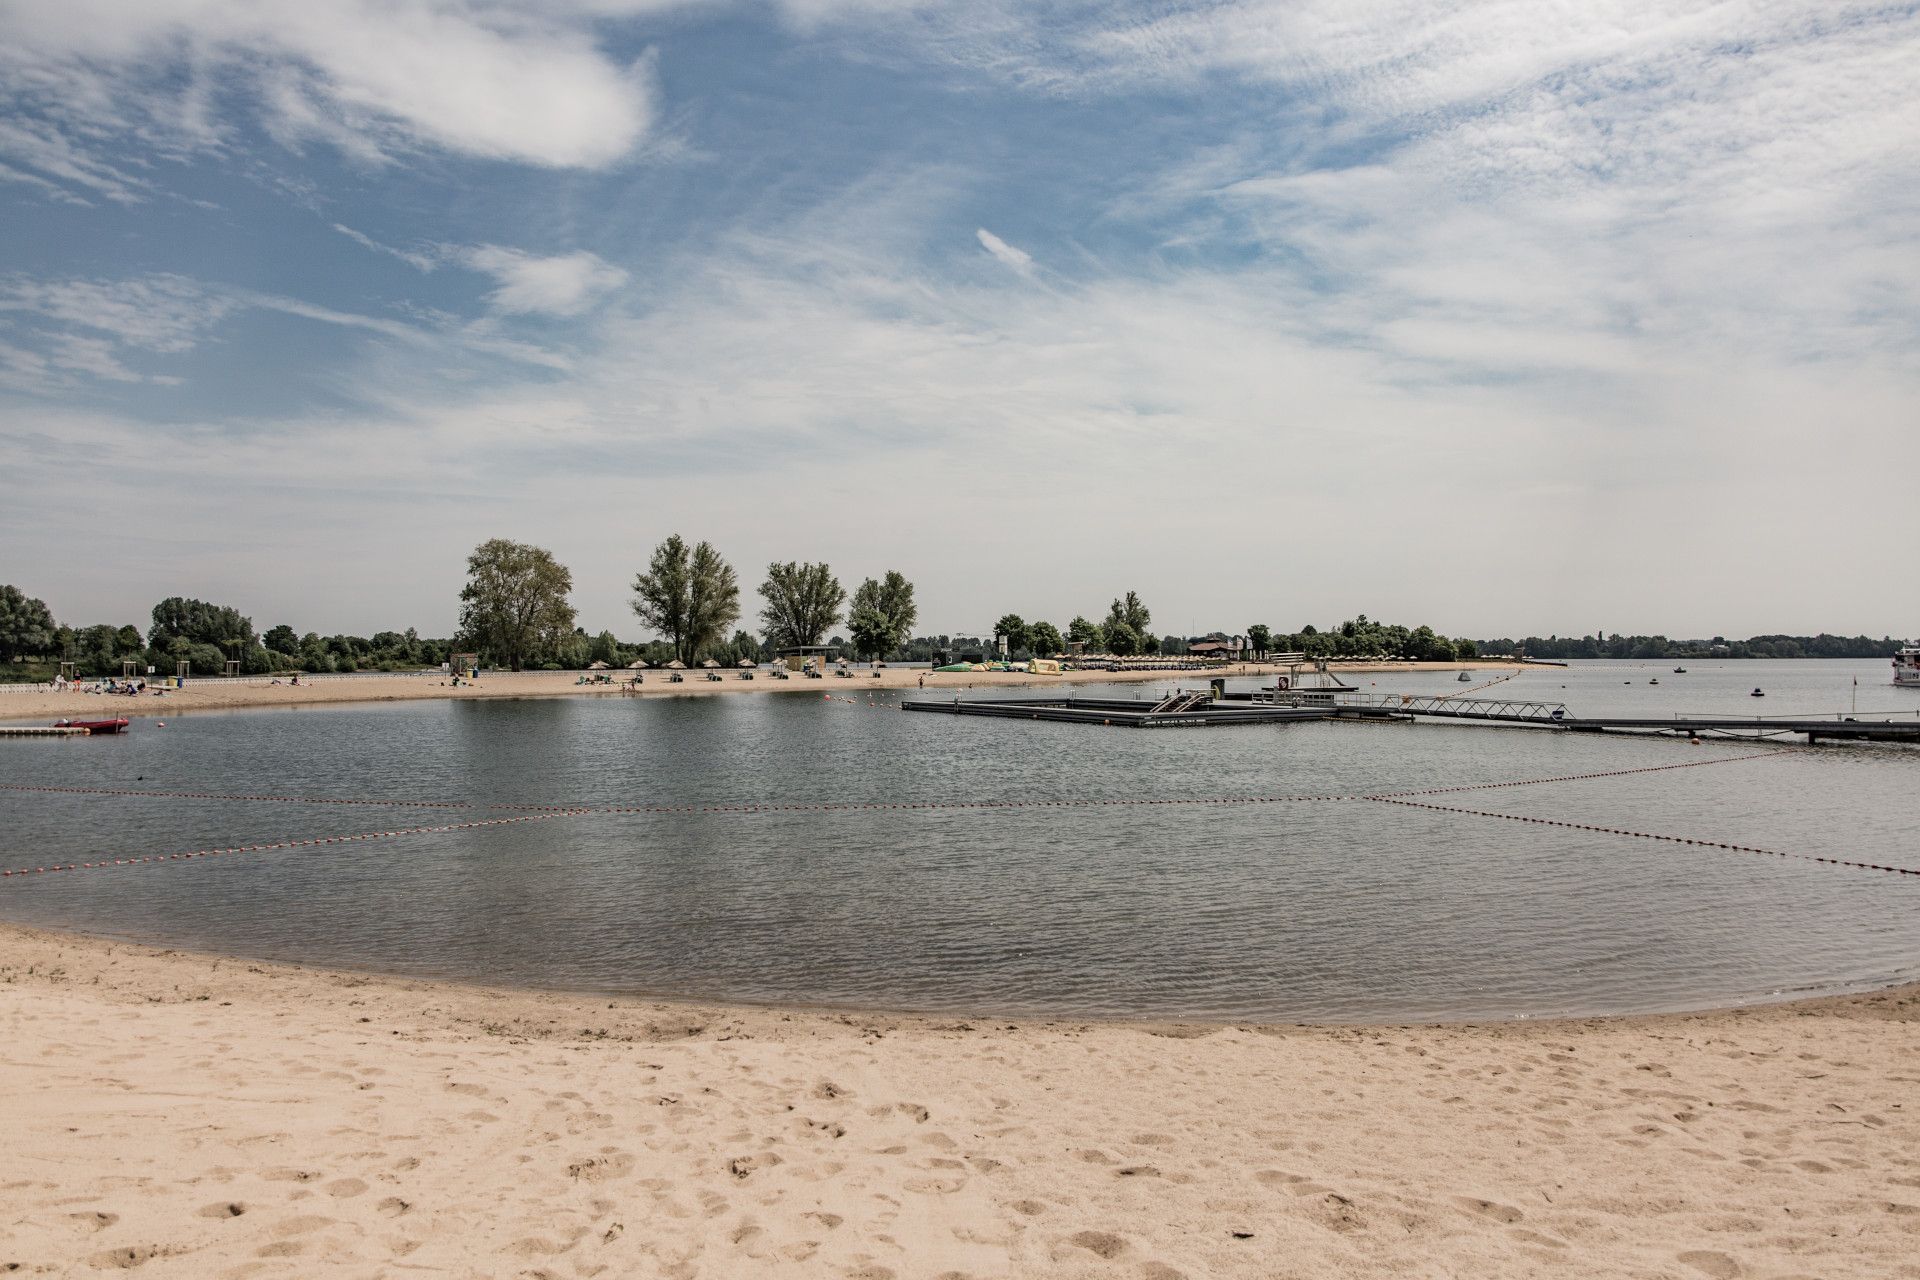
[97, 1220]
[127, 1256]
[393, 1206]
[1489, 1209]
[1102, 1244]
[222, 1209]
[1709, 1263]
[346, 1188]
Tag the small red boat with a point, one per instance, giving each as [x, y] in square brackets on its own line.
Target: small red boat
[94, 726]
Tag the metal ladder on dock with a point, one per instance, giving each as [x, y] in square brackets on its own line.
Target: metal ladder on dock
[1179, 701]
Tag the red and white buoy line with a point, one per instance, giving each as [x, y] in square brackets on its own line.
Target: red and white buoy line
[534, 813]
[312, 842]
[1647, 835]
[1583, 777]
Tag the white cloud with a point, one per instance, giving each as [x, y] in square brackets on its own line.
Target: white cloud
[564, 285]
[1018, 259]
[519, 83]
[166, 314]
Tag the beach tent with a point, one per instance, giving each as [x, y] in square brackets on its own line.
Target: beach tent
[676, 665]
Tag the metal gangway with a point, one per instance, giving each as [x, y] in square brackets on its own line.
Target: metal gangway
[1454, 706]
[1457, 707]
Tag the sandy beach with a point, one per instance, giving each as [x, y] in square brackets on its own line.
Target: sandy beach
[195, 1116]
[214, 694]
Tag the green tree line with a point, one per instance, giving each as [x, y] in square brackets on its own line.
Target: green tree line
[1771, 646]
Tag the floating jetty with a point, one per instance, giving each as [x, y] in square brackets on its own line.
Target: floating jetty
[1179, 711]
[1185, 710]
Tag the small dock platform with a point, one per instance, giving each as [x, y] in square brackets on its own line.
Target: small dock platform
[1178, 711]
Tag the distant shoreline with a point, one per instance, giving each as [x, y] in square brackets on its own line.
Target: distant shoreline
[214, 694]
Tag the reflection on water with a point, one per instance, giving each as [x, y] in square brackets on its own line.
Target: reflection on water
[1276, 911]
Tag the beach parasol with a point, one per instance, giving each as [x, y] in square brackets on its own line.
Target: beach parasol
[638, 664]
[597, 666]
[676, 665]
[709, 664]
[748, 662]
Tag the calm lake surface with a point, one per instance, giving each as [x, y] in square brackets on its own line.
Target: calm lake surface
[1297, 911]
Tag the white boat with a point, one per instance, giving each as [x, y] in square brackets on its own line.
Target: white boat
[1906, 666]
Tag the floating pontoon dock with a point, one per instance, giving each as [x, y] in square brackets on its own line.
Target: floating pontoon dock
[1179, 711]
[1268, 706]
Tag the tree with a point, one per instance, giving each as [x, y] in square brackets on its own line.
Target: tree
[1424, 646]
[690, 596]
[1260, 637]
[26, 625]
[1131, 612]
[1044, 639]
[197, 622]
[1090, 634]
[892, 599]
[514, 607]
[873, 634]
[1014, 629]
[803, 603]
[1122, 640]
[281, 639]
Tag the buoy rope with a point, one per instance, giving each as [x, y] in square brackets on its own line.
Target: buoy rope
[535, 813]
[312, 842]
[742, 807]
[1583, 777]
[772, 807]
[1645, 835]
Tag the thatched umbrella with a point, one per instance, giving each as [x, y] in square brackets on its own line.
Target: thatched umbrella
[676, 665]
[597, 666]
[747, 662]
[710, 664]
[638, 664]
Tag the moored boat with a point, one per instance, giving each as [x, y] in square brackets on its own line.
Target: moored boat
[116, 725]
[1906, 666]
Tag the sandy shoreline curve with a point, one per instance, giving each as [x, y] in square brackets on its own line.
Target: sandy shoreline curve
[193, 1115]
[214, 694]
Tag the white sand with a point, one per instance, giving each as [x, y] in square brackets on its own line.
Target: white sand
[198, 1117]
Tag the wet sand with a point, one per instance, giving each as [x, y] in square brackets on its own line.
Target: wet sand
[214, 694]
[195, 1116]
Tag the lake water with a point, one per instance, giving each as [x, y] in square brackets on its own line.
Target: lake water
[1286, 911]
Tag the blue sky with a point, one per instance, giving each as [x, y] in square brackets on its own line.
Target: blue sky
[1501, 317]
